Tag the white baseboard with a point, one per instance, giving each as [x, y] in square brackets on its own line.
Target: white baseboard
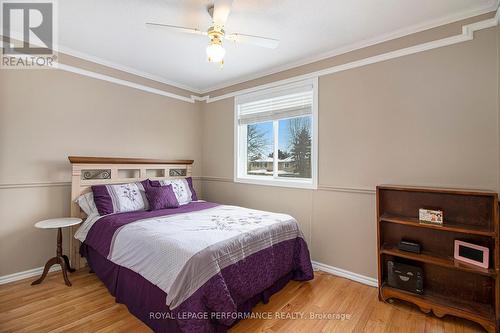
[26, 274]
[345, 274]
[316, 265]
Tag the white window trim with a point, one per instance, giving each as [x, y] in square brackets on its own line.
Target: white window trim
[240, 175]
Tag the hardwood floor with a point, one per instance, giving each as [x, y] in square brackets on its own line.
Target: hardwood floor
[88, 307]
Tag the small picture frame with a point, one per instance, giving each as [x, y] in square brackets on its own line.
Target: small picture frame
[472, 254]
[430, 216]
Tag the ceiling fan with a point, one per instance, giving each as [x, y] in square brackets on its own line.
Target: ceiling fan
[219, 12]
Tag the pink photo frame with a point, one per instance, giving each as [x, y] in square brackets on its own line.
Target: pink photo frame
[486, 254]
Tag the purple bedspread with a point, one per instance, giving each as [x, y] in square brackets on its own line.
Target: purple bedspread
[219, 303]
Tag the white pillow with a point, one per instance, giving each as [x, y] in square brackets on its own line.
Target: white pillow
[181, 189]
[86, 203]
[127, 197]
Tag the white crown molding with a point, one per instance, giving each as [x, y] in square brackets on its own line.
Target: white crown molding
[126, 69]
[108, 78]
[348, 48]
[369, 281]
[26, 274]
[130, 84]
[199, 98]
[362, 44]
[466, 35]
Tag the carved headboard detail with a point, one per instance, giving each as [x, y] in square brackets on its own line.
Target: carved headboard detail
[88, 171]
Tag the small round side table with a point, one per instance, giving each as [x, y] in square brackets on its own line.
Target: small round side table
[60, 258]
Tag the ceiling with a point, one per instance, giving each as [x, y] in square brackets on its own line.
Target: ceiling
[113, 32]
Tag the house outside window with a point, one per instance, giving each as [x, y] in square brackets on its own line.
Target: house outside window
[276, 136]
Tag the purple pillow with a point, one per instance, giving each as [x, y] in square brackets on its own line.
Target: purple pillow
[194, 197]
[102, 200]
[161, 197]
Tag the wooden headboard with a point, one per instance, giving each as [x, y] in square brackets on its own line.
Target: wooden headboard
[88, 171]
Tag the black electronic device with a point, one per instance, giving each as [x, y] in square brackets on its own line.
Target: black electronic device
[406, 277]
[409, 246]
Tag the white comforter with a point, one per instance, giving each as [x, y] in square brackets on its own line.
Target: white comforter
[179, 253]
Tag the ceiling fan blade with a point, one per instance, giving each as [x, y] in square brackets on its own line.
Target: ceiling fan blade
[178, 28]
[222, 8]
[270, 43]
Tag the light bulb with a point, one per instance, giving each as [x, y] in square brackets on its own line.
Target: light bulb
[215, 52]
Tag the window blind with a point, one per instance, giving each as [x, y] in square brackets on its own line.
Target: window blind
[287, 103]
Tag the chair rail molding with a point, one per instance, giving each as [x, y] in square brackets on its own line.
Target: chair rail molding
[35, 184]
[353, 189]
[49, 184]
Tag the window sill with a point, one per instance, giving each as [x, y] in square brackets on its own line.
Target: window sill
[304, 184]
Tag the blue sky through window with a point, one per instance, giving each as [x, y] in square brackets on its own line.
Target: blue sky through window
[284, 136]
[267, 129]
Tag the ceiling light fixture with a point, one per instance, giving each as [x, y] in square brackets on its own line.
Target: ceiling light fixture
[215, 51]
[219, 11]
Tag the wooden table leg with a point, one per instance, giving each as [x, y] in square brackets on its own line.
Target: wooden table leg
[58, 259]
[52, 261]
[66, 261]
[64, 269]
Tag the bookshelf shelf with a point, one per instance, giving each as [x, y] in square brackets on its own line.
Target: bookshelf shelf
[455, 227]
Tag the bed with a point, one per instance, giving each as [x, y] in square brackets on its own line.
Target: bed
[200, 267]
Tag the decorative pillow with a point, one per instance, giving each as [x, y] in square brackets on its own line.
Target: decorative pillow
[183, 189]
[160, 197]
[194, 197]
[119, 198]
[86, 203]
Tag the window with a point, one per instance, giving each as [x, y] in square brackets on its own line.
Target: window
[275, 136]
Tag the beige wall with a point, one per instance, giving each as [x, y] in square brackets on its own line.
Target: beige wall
[498, 100]
[46, 115]
[425, 36]
[425, 119]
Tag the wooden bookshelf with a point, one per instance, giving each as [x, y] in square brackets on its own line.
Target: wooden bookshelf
[450, 286]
